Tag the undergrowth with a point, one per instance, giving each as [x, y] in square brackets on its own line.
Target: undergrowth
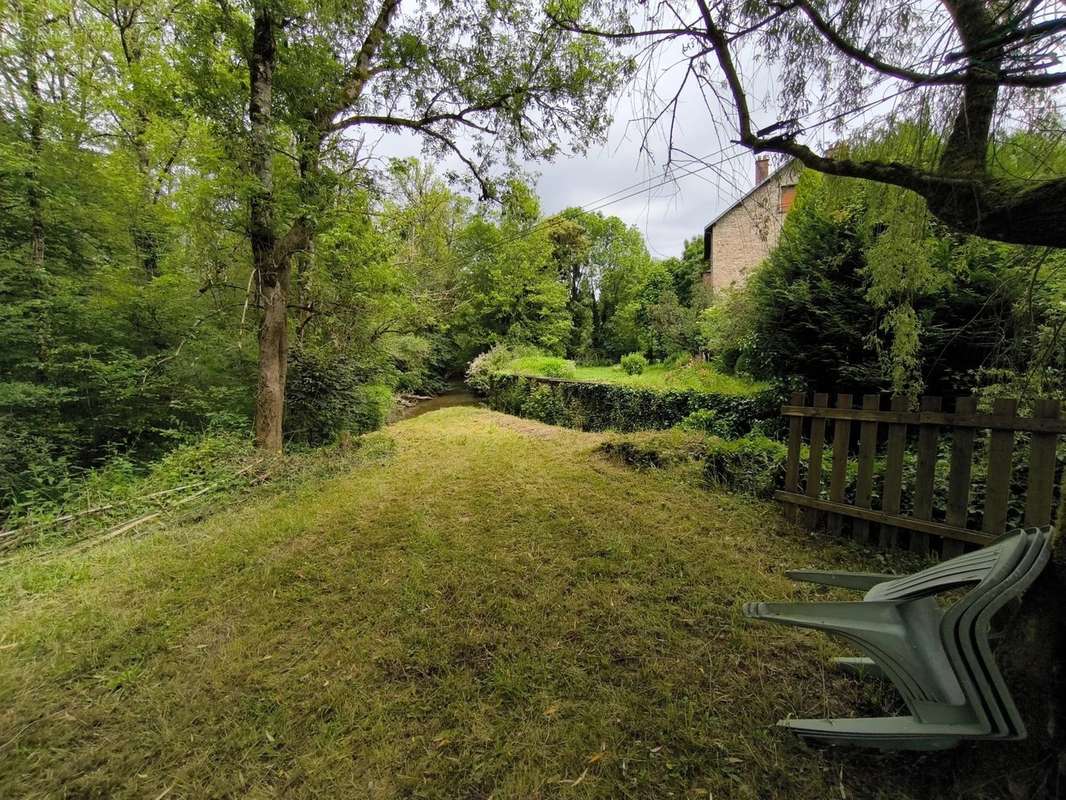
[190, 481]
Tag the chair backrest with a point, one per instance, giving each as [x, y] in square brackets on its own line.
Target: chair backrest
[974, 567]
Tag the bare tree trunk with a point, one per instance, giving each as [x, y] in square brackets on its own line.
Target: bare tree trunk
[273, 360]
[272, 277]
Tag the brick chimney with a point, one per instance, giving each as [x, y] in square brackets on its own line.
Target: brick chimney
[762, 169]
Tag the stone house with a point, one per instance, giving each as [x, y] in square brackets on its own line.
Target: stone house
[737, 240]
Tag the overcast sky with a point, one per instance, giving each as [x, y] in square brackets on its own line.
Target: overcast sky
[618, 179]
[667, 207]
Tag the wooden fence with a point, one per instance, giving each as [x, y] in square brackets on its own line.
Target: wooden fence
[898, 450]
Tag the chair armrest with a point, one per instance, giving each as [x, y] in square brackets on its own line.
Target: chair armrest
[860, 581]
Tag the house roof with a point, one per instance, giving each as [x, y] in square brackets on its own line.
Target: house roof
[752, 191]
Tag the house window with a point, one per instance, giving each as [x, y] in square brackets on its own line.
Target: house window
[787, 198]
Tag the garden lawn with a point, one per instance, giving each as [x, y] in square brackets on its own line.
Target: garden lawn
[693, 376]
[493, 610]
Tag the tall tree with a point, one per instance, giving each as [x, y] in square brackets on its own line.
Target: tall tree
[964, 67]
[477, 80]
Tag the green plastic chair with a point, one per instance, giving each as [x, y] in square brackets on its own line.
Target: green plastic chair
[979, 674]
[941, 663]
[974, 635]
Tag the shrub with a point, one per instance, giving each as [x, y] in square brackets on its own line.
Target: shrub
[706, 420]
[633, 363]
[500, 358]
[544, 403]
[326, 394]
[656, 448]
[678, 360]
[752, 464]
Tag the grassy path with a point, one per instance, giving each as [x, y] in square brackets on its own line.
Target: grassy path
[493, 611]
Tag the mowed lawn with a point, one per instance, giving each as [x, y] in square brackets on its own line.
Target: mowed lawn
[494, 611]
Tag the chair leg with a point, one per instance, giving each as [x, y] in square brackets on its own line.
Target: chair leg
[860, 667]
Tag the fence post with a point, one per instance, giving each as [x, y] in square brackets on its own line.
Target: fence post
[959, 476]
[928, 439]
[1000, 452]
[795, 443]
[841, 440]
[890, 500]
[1041, 480]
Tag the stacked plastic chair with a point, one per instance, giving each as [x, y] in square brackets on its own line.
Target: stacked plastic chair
[940, 661]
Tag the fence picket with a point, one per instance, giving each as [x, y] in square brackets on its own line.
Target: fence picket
[959, 476]
[841, 440]
[795, 442]
[864, 483]
[814, 465]
[953, 534]
[1000, 452]
[928, 440]
[890, 500]
[1041, 480]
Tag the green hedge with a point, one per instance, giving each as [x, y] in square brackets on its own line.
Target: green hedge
[609, 406]
[752, 464]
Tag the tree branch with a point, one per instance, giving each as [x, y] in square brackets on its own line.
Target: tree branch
[957, 77]
[353, 86]
[422, 126]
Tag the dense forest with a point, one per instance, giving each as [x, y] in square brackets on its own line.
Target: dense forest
[193, 212]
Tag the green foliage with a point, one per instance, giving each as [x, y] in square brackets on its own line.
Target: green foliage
[612, 406]
[193, 480]
[605, 266]
[686, 273]
[495, 359]
[329, 394]
[844, 304]
[509, 286]
[548, 366]
[666, 326]
[673, 447]
[704, 420]
[128, 309]
[752, 464]
[633, 363]
[678, 373]
[545, 404]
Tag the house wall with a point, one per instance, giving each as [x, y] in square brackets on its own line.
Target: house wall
[745, 235]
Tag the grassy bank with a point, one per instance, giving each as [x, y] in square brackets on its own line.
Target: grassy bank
[493, 610]
[689, 376]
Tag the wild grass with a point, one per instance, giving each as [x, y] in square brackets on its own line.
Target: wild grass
[694, 375]
[491, 610]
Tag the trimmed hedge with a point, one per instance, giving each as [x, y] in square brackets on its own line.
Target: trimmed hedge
[609, 406]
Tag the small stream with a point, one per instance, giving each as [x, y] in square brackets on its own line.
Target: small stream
[456, 395]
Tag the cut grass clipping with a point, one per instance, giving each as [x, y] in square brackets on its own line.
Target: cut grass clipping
[492, 610]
